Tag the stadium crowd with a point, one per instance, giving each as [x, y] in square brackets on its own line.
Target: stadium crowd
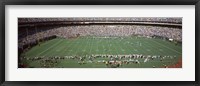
[122, 30]
[32, 35]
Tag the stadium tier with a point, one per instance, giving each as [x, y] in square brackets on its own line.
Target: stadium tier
[103, 19]
[86, 39]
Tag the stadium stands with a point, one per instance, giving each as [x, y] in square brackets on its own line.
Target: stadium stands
[32, 31]
[31, 34]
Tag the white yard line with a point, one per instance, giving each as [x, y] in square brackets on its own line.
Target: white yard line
[77, 43]
[102, 45]
[85, 48]
[167, 47]
[116, 50]
[121, 48]
[148, 45]
[71, 43]
[65, 48]
[109, 47]
[97, 46]
[49, 48]
[91, 43]
[132, 47]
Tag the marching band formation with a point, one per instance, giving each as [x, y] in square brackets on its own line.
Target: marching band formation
[108, 60]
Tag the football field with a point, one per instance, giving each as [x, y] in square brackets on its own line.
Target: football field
[87, 46]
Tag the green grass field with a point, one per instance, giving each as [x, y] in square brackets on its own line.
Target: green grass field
[86, 46]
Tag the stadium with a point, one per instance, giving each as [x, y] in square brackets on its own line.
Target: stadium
[100, 42]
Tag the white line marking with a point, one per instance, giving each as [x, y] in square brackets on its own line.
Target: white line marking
[166, 47]
[49, 48]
